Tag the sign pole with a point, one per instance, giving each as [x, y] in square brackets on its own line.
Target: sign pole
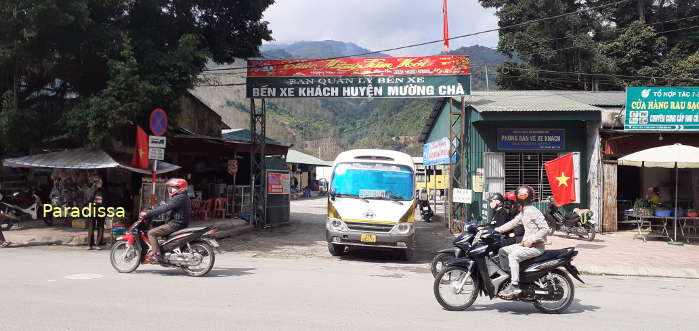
[156, 144]
[153, 178]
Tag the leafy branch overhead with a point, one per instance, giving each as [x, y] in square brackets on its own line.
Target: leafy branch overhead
[639, 38]
[97, 67]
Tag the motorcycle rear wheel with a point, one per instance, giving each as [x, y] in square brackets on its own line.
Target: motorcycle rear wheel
[447, 281]
[130, 257]
[590, 233]
[207, 262]
[561, 278]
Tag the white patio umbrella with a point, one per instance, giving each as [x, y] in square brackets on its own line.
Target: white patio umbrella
[671, 156]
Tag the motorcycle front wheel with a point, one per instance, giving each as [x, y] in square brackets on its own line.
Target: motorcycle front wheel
[207, 255]
[124, 257]
[439, 262]
[590, 236]
[454, 289]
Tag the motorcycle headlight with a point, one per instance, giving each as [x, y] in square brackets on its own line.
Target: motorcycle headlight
[335, 224]
[402, 228]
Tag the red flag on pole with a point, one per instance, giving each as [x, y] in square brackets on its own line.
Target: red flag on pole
[561, 175]
[140, 153]
[445, 23]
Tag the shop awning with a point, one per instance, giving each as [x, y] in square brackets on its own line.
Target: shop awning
[82, 158]
[670, 156]
[297, 157]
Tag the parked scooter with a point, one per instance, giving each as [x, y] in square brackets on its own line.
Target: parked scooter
[578, 223]
[424, 204]
[21, 206]
[544, 280]
[191, 249]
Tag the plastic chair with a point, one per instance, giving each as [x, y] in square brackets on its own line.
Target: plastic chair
[220, 207]
[205, 210]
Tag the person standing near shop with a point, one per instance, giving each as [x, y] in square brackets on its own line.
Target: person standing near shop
[653, 196]
[96, 222]
[3, 243]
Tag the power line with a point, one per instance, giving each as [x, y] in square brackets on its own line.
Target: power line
[442, 40]
[615, 30]
[617, 76]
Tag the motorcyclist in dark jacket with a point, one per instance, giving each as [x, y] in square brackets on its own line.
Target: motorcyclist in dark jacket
[181, 208]
[503, 212]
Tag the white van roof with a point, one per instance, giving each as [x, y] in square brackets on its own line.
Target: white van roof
[375, 155]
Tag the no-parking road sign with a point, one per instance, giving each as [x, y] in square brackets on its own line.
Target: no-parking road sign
[158, 122]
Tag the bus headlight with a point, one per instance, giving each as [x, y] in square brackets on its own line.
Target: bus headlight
[402, 228]
[334, 224]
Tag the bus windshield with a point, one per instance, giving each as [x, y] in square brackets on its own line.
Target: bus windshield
[373, 181]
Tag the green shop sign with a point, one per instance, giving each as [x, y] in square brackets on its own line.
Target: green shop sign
[662, 108]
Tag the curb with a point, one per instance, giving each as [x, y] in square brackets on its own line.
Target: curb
[81, 239]
[684, 273]
[234, 231]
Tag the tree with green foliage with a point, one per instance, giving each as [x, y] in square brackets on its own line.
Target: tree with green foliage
[89, 70]
[639, 38]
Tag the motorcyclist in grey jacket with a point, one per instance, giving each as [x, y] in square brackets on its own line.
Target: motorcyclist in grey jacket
[532, 245]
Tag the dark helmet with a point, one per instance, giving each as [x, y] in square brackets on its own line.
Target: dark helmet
[496, 196]
[176, 186]
[525, 195]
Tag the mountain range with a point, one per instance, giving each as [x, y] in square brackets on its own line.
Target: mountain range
[326, 127]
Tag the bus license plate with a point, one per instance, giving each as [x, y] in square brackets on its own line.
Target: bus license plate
[368, 238]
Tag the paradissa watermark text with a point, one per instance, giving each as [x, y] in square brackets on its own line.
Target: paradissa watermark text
[88, 211]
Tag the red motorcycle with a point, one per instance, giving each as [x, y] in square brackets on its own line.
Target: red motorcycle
[190, 249]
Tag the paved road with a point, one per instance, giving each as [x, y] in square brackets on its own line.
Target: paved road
[290, 283]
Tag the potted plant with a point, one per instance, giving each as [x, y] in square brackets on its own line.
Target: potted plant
[692, 213]
[641, 207]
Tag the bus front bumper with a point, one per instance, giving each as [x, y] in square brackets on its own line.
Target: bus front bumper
[371, 239]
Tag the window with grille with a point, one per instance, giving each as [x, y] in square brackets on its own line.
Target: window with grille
[528, 169]
[505, 172]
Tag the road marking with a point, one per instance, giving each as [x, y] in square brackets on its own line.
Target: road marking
[83, 276]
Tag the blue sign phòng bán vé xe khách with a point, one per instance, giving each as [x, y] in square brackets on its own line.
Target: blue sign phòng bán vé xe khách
[531, 139]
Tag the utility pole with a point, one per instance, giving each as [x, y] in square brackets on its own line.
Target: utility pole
[487, 86]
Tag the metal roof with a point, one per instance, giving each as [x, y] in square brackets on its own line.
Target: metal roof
[601, 99]
[531, 101]
[528, 101]
[243, 135]
[294, 156]
[83, 158]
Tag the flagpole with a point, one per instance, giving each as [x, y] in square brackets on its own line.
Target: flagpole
[445, 25]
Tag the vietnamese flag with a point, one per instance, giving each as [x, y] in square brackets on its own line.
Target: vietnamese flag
[140, 153]
[560, 173]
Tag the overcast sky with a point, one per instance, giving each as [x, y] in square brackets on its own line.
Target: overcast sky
[380, 24]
